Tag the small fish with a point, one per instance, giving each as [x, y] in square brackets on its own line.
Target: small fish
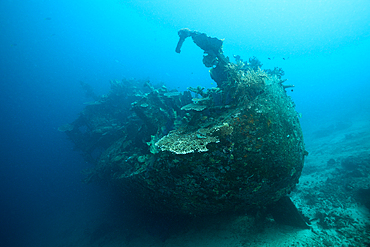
[47, 18]
[269, 58]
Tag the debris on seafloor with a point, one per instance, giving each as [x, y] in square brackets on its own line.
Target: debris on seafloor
[239, 146]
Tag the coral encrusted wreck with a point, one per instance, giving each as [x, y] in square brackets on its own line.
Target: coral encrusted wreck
[234, 147]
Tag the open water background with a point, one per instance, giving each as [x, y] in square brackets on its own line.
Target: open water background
[48, 47]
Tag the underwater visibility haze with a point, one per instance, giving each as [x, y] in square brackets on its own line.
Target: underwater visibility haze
[91, 90]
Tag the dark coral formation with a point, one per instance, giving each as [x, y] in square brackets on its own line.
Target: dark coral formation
[238, 146]
[278, 72]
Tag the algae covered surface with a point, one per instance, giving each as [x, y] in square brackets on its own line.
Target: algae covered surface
[229, 148]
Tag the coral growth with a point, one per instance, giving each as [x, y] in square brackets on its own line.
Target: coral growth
[179, 142]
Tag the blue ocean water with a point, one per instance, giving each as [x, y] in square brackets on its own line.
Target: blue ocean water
[48, 47]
